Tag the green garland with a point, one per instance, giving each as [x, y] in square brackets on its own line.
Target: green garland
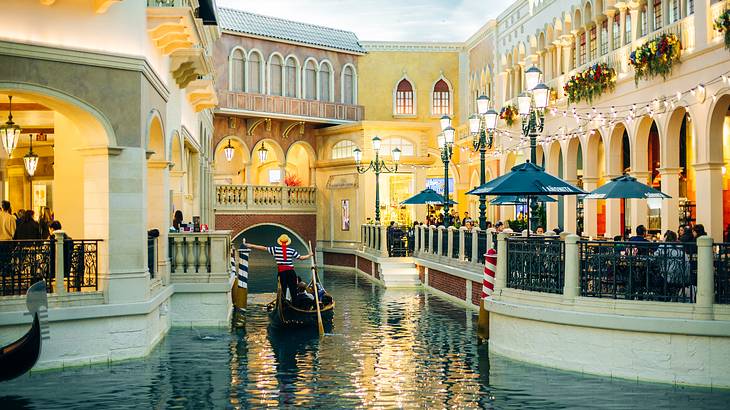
[508, 114]
[722, 24]
[656, 57]
[590, 83]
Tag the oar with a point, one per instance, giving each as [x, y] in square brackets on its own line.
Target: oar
[316, 291]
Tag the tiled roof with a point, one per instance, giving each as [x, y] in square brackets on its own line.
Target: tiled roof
[276, 28]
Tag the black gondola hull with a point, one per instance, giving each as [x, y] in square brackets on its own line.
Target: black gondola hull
[291, 317]
[20, 356]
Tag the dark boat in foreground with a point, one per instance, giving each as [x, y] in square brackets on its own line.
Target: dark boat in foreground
[283, 314]
[21, 355]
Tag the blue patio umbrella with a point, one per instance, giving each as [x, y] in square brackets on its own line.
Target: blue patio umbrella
[527, 180]
[518, 200]
[625, 187]
[427, 196]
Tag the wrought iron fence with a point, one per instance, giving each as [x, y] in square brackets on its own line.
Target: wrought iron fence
[467, 245]
[481, 246]
[152, 256]
[455, 244]
[397, 241]
[638, 271]
[536, 264]
[494, 240]
[81, 260]
[722, 273]
[25, 262]
[427, 240]
[444, 242]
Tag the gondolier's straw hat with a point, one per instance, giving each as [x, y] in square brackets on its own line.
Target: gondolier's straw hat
[283, 239]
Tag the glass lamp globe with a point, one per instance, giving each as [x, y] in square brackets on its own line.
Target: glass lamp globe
[445, 122]
[357, 153]
[396, 155]
[482, 104]
[490, 119]
[441, 141]
[263, 153]
[449, 134]
[532, 77]
[376, 143]
[228, 151]
[10, 131]
[474, 124]
[541, 93]
[523, 104]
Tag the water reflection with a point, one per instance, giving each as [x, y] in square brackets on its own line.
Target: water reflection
[387, 349]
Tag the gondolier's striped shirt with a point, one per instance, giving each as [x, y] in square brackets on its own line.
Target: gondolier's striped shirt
[291, 255]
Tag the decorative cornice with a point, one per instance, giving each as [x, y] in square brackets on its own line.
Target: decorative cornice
[89, 58]
[412, 46]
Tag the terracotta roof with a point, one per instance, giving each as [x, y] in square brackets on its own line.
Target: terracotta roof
[287, 30]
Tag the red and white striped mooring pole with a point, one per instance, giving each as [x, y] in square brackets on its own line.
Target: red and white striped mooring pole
[490, 266]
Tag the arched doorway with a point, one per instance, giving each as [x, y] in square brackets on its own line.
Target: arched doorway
[300, 158]
[267, 163]
[594, 214]
[554, 166]
[231, 172]
[645, 166]
[158, 182]
[573, 173]
[262, 268]
[677, 178]
[713, 195]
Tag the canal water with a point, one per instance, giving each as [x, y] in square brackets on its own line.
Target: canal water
[387, 349]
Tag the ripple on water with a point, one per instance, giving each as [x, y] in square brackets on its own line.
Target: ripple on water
[388, 349]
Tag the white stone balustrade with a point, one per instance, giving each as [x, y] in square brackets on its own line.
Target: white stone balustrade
[238, 198]
[200, 257]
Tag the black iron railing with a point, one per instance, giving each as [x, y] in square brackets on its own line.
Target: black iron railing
[467, 245]
[397, 241]
[722, 273]
[638, 271]
[455, 244]
[81, 259]
[25, 262]
[536, 264]
[152, 256]
[494, 240]
[481, 246]
[444, 241]
[426, 240]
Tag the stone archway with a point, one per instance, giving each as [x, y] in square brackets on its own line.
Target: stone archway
[713, 155]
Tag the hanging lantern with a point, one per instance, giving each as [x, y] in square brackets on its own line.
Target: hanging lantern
[10, 131]
[31, 160]
[263, 153]
[229, 151]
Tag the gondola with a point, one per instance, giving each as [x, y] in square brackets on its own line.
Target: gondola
[283, 314]
[21, 355]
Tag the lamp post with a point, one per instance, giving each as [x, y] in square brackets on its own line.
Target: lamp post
[446, 144]
[531, 106]
[482, 126]
[378, 166]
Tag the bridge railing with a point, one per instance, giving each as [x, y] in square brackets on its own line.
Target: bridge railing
[265, 197]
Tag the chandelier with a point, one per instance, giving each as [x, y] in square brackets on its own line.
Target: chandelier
[10, 131]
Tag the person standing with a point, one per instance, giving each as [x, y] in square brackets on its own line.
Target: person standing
[7, 222]
[45, 221]
[27, 228]
[177, 220]
[284, 256]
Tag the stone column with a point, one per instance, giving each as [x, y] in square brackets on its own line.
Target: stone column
[569, 210]
[59, 286]
[590, 208]
[416, 239]
[383, 241]
[450, 242]
[670, 207]
[440, 239]
[650, 17]
[587, 33]
[567, 52]
[475, 245]
[576, 42]
[639, 208]
[462, 240]
[635, 22]
[500, 276]
[610, 15]
[558, 58]
[705, 279]
[622, 26]
[571, 286]
[702, 16]
[709, 198]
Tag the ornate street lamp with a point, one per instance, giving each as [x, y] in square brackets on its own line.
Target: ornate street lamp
[482, 126]
[10, 131]
[378, 166]
[31, 160]
[446, 144]
[228, 151]
[263, 153]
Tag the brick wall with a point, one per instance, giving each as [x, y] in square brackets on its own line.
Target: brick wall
[303, 225]
[339, 259]
[453, 285]
[476, 292]
[364, 265]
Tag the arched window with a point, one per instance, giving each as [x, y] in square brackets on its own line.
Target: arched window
[291, 79]
[275, 75]
[441, 98]
[310, 81]
[325, 77]
[254, 73]
[343, 149]
[593, 45]
[604, 37]
[349, 85]
[236, 69]
[643, 22]
[627, 35]
[616, 31]
[389, 144]
[674, 11]
[690, 7]
[404, 98]
[658, 18]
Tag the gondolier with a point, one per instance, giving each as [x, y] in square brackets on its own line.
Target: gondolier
[285, 257]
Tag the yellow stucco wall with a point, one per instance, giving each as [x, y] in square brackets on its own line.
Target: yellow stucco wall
[380, 71]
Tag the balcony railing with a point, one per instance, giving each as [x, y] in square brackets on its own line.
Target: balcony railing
[265, 198]
[536, 264]
[294, 108]
[199, 256]
[73, 263]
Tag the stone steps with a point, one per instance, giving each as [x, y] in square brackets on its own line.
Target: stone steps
[399, 274]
